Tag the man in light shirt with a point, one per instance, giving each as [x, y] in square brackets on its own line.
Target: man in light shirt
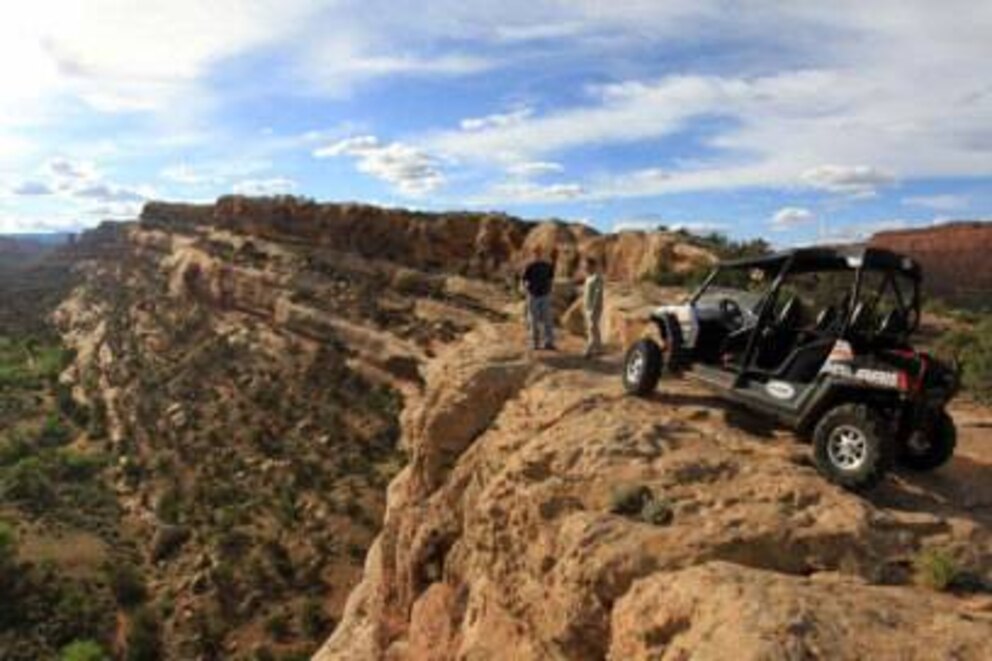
[592, 299]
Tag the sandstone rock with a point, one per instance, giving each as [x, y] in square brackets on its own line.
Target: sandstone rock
[954, 257]
[723, 611]
[507, 548]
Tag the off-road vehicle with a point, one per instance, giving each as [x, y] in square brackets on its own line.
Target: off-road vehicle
[818, 338]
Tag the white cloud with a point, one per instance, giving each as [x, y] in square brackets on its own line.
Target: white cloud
[788, 217]
[116, 211]
[213, 174]
[185, 174]
[651, 223]
[530, 169]
[496, 120]
[938, 202]
[272, 186]
[32, 188]
[410, 170]
[858, 180]
[67, 170]
[104, 192]
[521, 192]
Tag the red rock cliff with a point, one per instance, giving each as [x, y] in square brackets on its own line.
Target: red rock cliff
[956, 258]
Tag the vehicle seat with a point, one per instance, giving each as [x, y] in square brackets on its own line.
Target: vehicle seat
[805, 362]
[781, 337]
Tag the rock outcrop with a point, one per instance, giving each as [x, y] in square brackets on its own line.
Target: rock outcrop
[265, 368]
[246, 361]
[954, 256]
[506, 536]
[473, 244]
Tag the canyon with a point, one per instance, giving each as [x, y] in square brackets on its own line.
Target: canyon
[326, 436]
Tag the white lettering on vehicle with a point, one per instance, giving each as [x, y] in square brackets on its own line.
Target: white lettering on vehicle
[780, 390]
[874, 377]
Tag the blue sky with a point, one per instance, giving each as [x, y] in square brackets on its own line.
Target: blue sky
[795, 121]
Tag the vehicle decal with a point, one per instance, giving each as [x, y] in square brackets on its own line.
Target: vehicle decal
[881, 378]
[842, 351]
[780, 390]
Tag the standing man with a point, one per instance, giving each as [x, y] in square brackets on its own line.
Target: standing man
[592, 301]
[538, 279]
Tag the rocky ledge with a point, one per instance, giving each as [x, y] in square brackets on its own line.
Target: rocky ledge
[544, 515]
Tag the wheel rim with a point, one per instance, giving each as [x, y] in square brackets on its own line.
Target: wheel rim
[635, 367]
[918, 444]
[848, 447]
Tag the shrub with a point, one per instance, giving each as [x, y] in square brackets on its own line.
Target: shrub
[128, 584]
[54, 434]
[97, 427]
[143, 636]
[8, 544]
[313, 621]
[973, 348]
[69, 407]
[277, 625]
[657, 512]
[13, 449]
[83, 650]
[637, 501]
[169, 505]
[73, 466]
[629, 499]
[28, 482]
[936, 569]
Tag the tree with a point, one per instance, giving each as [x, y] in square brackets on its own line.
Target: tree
[8, 553]
[143, 636]
[83, 650]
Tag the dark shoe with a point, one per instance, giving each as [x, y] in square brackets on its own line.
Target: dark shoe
[550, 347]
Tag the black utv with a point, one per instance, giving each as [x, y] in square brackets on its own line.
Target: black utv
[818, 338]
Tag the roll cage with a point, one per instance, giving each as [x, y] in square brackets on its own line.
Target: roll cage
[876, 273]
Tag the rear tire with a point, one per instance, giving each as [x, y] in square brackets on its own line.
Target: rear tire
[932, 446]
[642, 367]
[851, 447]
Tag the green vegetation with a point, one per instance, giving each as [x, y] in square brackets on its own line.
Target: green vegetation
[8, 552]
[969, 342]
[720, 245]
[638, 502]
[51, 489]
[143, 636]
[83, 650]
[128, 585]
[313, 621]
[936, 569]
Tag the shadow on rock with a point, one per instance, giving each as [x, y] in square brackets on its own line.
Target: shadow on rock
[962, 488]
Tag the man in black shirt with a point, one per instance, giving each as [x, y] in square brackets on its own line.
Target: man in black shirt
[538, 279]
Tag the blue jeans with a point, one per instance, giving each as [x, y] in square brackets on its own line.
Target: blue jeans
[541, 320]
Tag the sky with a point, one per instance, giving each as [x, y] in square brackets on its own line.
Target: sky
[792, 121]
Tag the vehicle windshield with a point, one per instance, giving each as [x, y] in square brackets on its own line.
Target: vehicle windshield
[746, 286]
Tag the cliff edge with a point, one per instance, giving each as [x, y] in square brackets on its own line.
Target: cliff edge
[544, 515]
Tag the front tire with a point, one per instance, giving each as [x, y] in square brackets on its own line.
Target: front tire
[642, 367]
[851, 447]
[931, 446]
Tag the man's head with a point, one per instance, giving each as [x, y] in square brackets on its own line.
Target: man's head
[592, 266]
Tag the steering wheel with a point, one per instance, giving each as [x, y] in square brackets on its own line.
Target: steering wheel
[731, 313]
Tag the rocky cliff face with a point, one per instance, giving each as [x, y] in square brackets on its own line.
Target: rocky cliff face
[323, 412]
[543, 515]
[955, 258]
[246, 363]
